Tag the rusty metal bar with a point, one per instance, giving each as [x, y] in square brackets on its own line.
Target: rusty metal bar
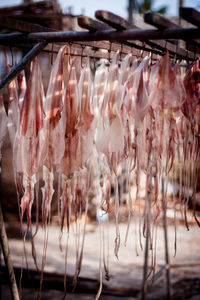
[24, 61]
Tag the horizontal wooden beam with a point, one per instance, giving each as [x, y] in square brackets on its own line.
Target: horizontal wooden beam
[18, 25]
[191, 15]
[27, 6]
[121, 24]
[113, 20]
[91, 24]
[110, 35]
[54, 281]
[159, 21]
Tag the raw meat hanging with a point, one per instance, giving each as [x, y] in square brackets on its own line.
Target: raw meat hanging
[131, 122]
[29, 151]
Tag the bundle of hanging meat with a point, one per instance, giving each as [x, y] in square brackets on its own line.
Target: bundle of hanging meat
[132, 116]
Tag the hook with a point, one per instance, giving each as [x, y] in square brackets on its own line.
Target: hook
[52, 54]
[83, 47]
[151, 58]
[195, 51]
[141, 53]
[95, 49]
[165, 47]
[69, 51]
[174, 61]
[109, 51]
[132, 51]
[121, 51]
[142, 50]
[12, 56]
[187, 58]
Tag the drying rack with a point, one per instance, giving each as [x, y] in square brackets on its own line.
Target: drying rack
[107, 32]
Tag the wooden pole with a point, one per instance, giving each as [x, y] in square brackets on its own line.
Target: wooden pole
[109, 35]
[146, 252]
[7, 258]
[166, 242]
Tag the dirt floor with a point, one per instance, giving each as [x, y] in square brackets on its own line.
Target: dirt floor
[125, 273]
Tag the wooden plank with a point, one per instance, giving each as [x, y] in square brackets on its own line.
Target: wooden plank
[91, 24]
[27, 6]
[118, 23]
[54, 281]
[159, 21]
[191, 15]
[7, 258]
[35, 16]
[18, 25]
[113, 20]
[122, 24]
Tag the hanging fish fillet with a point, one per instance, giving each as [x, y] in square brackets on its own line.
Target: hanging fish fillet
[29, 148]
[190, 133]
[13, 105]
[3, 122]
[22, 86]
[53, 130]
[131, 120]
[70, 118]
[86, 117]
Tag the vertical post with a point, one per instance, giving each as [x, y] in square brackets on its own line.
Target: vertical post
[7, 259]
[0, 244]
[181, 4]
[6, 253]
[146, 252]
[166, 241]
[131, 6]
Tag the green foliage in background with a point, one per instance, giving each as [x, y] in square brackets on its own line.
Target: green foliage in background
[145, 5]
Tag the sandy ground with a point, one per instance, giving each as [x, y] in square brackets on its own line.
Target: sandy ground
[125, 273]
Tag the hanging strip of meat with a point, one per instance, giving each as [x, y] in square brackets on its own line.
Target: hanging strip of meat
[3, 122]
[13, 105]
[29, 148]
[53, 130]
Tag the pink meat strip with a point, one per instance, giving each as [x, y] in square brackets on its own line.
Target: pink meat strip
[54, 132]
[3, 122]
[13, 105]
[29, 141]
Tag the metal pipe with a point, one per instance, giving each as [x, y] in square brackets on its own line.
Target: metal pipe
[23, 62]
[109, 35]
